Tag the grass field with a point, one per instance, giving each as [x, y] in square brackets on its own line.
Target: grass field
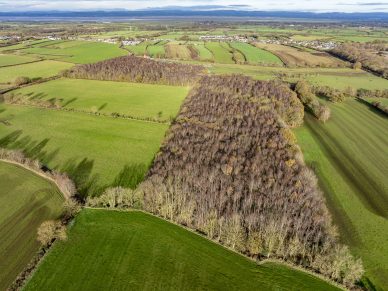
[136, 251]
[10, 60]
[26, 200]
[294, 57]
[140, 49]
[238, 56]
[255, 55]
[41, 69]
[337, 78]
[136, 100]
[95, 151]
[383, 101]
[349, 155]
[79, 52]
[157, 50]
[21, 45]
[204, 53]
[177, 51]
[221, 55]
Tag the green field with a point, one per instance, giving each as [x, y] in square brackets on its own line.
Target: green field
[136, 100]
[95, 151]
[341, 81]
[139, 49]
[349, 155]
[221, 55]
[337, 78]
[26, 200]
[255, 55]
[157, 50]
[177, 50]
[21, 45]
[110, 250]
[10, 60]
[41, 69]
[204, 53]
[383, 101]
[80, 52]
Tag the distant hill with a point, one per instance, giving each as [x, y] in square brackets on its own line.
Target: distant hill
[201, 11]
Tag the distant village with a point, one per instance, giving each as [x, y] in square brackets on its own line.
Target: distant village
[315, 44]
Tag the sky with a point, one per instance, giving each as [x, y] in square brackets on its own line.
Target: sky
[266, 5]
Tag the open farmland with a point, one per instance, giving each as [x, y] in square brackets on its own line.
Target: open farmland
[26, 200]
[147, 253]
[143, 101]
[157, 50]
[296, 57]
[203, 52]
[95, 151]
[220, 53]
[349, 154]
[140, 49]
[41, 69]
[177, 51]
[75, 51]
[334, 77]
[255, 55]
[10, 60]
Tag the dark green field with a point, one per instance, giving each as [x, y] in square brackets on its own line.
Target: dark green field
[26, 200]
[109, 250]
[350, 155]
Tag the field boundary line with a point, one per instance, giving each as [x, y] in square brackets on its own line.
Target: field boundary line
[84, 112]
[31, 62]
[258, 262]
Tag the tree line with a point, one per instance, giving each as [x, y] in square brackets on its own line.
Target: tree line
[140, 70]
[230, 168]
[307, 96]
[368, 55]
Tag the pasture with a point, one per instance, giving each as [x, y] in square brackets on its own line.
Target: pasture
[26, 200]
[383, 101]
[140, 49]
[137, 100]
[349, 155]
[43, 69]
[79, 52]
[137, 251]
[178, 51]
[10, 60]
[334, 77]
[220, 53]
[204, 53]
[294, 57]
[157, 50]
[96, 151]
[255, 55]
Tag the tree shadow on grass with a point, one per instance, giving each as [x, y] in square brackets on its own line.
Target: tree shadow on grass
[372, 108]
[68, 102]
[130, 176]
[33, 149]
[81, 174]
[102, 106]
